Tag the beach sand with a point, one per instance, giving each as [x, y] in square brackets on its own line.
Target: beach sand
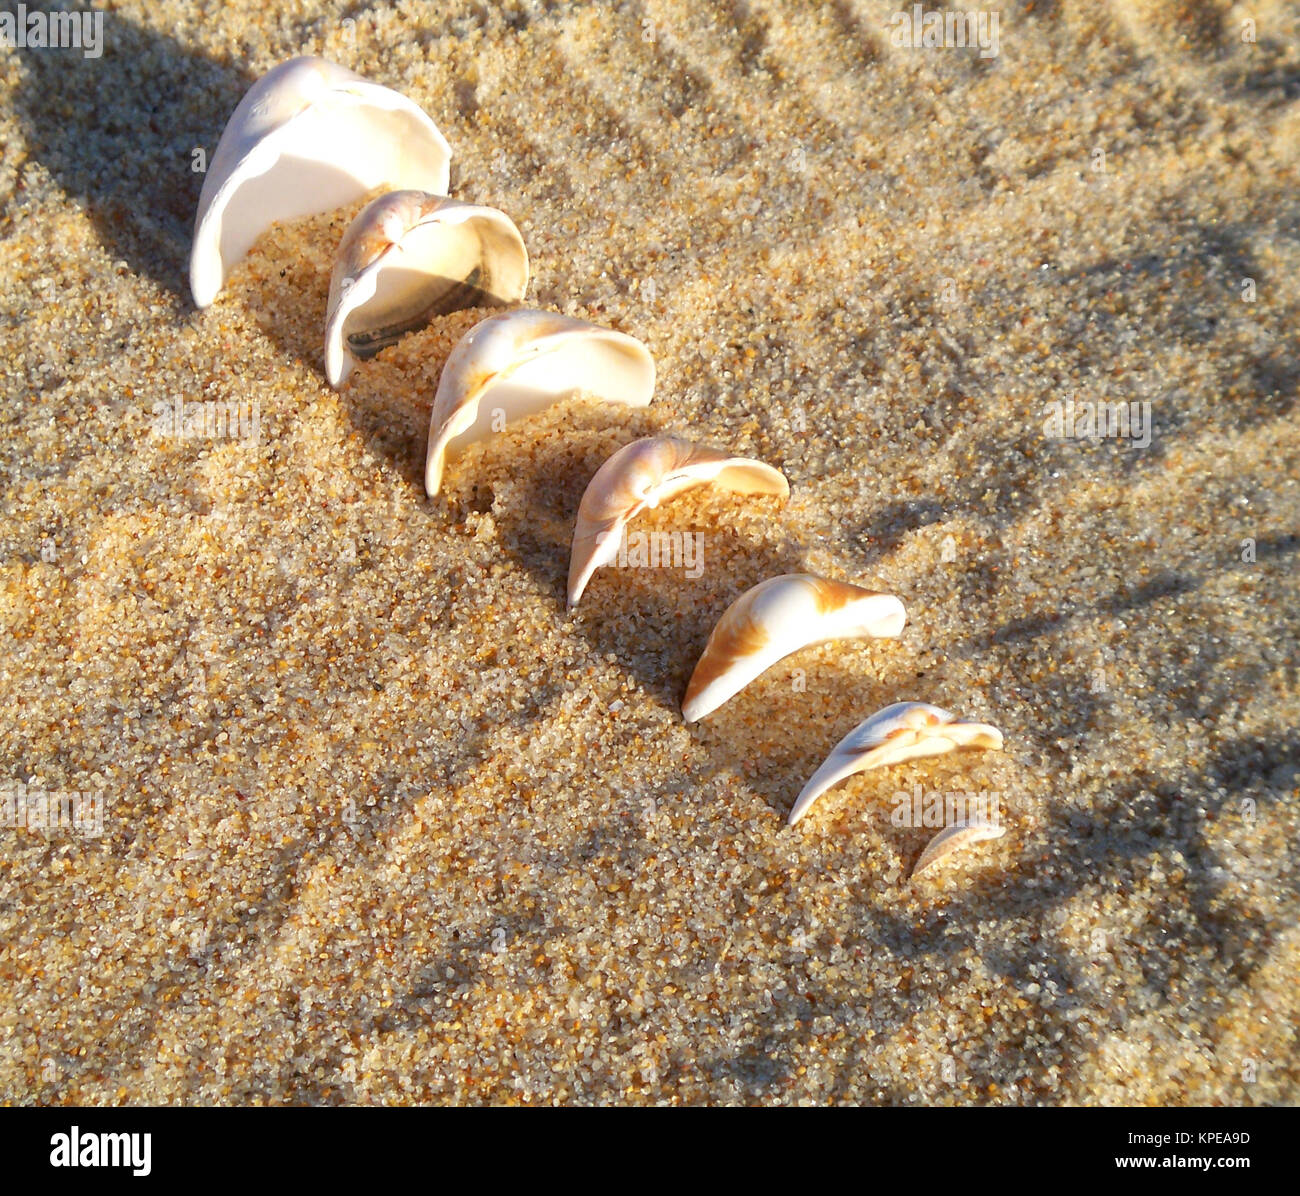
[382, 824]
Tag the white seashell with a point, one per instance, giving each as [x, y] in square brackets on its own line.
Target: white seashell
[777, 617]
[307, 137]
[409, 256]
[903, 731]
[952, 838]
[644, 474]
[520, 362]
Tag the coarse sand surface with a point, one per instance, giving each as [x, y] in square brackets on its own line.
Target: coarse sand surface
[382, 824]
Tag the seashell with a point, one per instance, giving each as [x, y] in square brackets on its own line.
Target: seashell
[777, 617]
[520, 362]
[903, 731]
[308, 136]
[644, 474]
[952, 838]
[410, 256]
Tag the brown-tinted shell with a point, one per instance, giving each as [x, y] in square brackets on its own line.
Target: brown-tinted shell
[777, 617]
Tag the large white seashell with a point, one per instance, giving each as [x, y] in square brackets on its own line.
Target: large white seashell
[520, 362]
[644, 474]
[409, 256]
[307, 137]
[903, 731]
[952, 838]
[777, 617]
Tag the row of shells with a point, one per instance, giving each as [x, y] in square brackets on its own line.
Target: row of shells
[311, 136]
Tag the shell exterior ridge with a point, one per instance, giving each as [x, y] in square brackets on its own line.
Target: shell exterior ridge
[894, 735]
[641, 475]
[954, 838]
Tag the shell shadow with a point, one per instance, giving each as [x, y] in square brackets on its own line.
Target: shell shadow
[117, 132]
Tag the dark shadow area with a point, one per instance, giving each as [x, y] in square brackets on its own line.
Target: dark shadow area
[1268, 547]
[1203, 266]
[1271, 73]
[862, 38]
[1266, 767]
[751, 29]
[117, 133]
[892, 523]
[451, 294]
[1275, 381]
[1167, 585]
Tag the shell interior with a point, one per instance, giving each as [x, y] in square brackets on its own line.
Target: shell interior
[440, 268]
[749, 477]
[566, 365]
[307, 137]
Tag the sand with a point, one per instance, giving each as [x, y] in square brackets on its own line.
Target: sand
[381, 824]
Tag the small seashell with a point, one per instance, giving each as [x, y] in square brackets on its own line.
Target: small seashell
[520, 362]
[644, 474]
[777, 617]
[308, 136]
[951, 838]
[410, 256]
[903, 731]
